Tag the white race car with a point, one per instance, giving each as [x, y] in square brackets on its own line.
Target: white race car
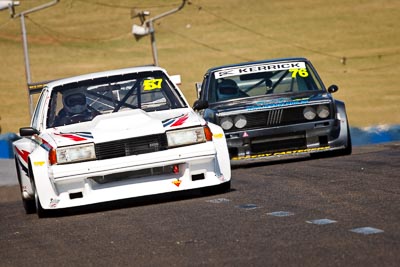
[115, 135]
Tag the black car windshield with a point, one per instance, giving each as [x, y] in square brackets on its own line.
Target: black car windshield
[82, 101]
[262, 79]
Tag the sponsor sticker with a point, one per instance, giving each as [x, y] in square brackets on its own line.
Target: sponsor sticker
[75, 136]
[242, 70]
[267, 105]
[54, 202]
[220, 135]
[177, 182]
[291, 152]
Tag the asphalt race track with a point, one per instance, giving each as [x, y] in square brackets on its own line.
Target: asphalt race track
[342, 211]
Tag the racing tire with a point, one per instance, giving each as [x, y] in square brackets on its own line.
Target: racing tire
[336, 153]
[29, 204]
[41, 213]
[225, 187]
[218, 189]
[347, 150]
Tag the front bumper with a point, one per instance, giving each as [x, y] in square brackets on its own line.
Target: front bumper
[284, 140]
[93, 182]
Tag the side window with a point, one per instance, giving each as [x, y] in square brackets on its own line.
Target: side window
[212, 89]
[55, 105]
[203, 89]
[37, 118]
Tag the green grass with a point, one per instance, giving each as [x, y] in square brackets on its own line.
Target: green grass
[76, 37]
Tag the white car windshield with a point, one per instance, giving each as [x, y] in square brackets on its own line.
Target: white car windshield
[84, 100]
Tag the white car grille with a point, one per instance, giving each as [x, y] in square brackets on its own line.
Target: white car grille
[131, 146]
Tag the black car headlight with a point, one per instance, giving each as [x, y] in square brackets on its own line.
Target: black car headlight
[240, 121]
[323, 111]
[226, 123]
[309, 113]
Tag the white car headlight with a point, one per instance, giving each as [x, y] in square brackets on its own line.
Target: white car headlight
[323, 111]
[186, 137]
[309, 113]
[70, 154]
[226, 123]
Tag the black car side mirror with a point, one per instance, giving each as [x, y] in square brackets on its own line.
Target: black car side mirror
[200, 104]
[28, 131]
[333, 88]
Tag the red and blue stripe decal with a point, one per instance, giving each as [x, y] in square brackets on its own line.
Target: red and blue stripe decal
[23, 154]
[177, 121]
[77, 136]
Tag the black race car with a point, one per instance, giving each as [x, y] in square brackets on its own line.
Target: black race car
[274, 108]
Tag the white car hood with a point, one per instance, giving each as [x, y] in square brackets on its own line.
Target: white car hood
[123, 125]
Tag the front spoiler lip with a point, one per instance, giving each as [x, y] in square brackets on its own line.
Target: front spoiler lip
[289, 154]
[328, 128]
[127, 189]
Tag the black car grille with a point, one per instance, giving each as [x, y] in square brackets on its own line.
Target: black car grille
[131, 146]
[278, 143]
[275, 117]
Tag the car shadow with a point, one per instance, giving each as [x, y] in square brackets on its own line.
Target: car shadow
[139, 201]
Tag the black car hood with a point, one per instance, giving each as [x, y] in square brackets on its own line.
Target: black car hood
[271, 102]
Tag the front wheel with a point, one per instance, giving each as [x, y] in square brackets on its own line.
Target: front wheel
[217, 189]
[39, 209]
[225, 187]
[348, 149]
[29, 204]
[337, 153]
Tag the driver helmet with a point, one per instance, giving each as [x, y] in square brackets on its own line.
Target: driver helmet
[227, 89]
[74, 101]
